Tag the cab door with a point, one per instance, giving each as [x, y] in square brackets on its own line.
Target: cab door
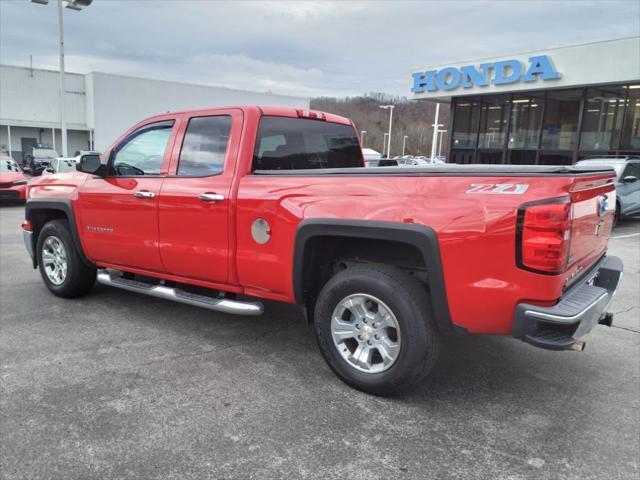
[118, 213]
[195, 199]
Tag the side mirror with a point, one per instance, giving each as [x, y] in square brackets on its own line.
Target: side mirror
[90, 164]
[629, 179]
[50, 170]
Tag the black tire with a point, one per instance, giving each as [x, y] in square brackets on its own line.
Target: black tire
[410, 303]
[616, 216]
[79, 278]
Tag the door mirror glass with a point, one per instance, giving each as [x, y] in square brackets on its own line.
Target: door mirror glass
[90, 164]
[629, 179]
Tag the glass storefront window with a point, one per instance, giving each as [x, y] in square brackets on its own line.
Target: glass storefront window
[526, 114]
[560, 125]
[522, 157]
[555, 158]
[465, 126]
[631, 130]
[602, 120]
[493, 121]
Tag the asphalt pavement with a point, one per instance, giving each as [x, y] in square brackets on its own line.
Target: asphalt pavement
[117, 385]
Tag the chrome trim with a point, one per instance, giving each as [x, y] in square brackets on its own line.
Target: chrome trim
[144, 194]
[27, 237]
[177, 295]
[211, 197]
[563, 319]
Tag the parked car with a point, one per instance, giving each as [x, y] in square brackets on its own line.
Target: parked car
[38, 157]
[222, 208]
[627, 182]
[13, 182]
[411, 161]
[371, 157]
[60, 165]
[79, 153]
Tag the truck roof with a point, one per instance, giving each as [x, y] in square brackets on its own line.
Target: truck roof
[273, 110]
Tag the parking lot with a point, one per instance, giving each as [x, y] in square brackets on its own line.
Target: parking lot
[119, 385]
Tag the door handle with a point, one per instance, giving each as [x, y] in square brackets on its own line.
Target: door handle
[211, 197]
[144, 194]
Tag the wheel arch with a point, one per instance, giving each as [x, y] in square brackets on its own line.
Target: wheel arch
[421, 241]
[41, 211]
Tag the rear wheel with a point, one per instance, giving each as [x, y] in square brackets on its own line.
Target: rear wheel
[61, 267]
[374, 328]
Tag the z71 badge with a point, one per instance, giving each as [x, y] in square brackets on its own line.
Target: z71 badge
[498, 188]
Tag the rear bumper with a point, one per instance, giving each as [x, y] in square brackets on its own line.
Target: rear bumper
[579, 309]
[14, 193]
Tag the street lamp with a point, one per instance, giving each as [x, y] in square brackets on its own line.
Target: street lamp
[73, 5]
[390, 108]
[362, 132]
[404, 142]
[436, 126]
[384, 143]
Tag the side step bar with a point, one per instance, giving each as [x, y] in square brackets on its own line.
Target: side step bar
[177, 295]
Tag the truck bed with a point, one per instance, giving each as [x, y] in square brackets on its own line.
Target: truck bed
[450, 169]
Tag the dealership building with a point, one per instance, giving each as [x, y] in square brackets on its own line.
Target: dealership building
[553, 106]
[99, 107]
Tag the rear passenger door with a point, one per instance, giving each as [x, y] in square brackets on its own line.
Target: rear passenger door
[195, 203]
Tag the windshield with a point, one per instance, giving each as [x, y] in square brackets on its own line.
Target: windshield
[617, 166]
[66, 166]
[45, 153]
[7, 165]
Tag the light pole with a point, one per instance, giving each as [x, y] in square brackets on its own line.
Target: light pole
[390, 108]
[436, 125]
[404, 142]
[73, 5]
[362, 132]
[384, 142]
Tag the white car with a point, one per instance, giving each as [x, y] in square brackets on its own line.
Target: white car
[60, 165]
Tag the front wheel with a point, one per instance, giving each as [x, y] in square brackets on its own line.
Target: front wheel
[375, 330]
[61, 266]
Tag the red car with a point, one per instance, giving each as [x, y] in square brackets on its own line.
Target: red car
[13, 183]
[223, 207]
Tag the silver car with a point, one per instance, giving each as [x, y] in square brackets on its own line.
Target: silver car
[627, 182]
[60, 165]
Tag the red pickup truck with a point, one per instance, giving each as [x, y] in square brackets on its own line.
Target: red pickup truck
[223, 207]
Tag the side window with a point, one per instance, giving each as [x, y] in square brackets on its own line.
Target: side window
[143, 152]
[633, 169]
[286, 143]
[204, 146]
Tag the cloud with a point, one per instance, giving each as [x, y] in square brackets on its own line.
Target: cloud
[300, 48]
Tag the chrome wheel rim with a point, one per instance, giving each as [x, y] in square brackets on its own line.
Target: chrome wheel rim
[54, 260]
[366, 333]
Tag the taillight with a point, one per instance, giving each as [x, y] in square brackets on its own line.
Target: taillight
[27, 226]
[543, 236]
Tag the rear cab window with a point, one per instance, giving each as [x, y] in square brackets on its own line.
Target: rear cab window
[286, 143]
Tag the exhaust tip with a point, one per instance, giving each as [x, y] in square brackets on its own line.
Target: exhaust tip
[578, 346]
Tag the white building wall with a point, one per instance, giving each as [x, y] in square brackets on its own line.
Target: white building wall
[608, 61]
[31, 97]
[119, 102]
[109, 104]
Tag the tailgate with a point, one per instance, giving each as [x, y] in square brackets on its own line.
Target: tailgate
[593, 207]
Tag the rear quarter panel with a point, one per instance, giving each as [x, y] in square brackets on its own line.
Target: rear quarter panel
[476, 233]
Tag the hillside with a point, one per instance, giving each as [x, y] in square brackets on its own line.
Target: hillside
[409, 118]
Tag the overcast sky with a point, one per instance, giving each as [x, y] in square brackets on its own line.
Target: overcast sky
[300, 48]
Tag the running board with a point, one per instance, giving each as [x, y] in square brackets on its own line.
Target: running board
[177, 295]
